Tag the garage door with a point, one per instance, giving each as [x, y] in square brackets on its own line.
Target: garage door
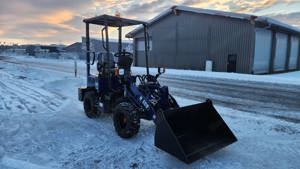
[262, 55]
[281, 51]
[294, 53]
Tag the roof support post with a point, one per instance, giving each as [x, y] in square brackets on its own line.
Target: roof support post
[299, 54]
[146, 39]
[273, 52]
[135, 52]
[108, 56]
[120, 39]
[87, 42]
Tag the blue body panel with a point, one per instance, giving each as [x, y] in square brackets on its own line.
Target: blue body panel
[142, 100]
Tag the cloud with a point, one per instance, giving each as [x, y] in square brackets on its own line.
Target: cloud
[242, 6]
[31, 19]
[107, 6]
[211, 4]
[146, 7]
[48, 21]
[45, 33]
[249, 6]
[290, 18]
[59, 19]
[142, 9]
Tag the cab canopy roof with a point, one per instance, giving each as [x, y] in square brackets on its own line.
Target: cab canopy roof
[112, 21]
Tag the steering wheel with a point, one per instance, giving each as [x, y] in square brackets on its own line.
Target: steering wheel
[149, 78]
[123, 53]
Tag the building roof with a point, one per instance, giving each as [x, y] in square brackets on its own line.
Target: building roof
[112, 21]
[269, 22]
[73, 47]
[125, 41]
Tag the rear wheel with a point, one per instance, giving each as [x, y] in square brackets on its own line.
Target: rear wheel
[90, 104]
[126, 120]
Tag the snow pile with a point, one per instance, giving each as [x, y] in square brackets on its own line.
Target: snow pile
[290, 75]
[292, 78]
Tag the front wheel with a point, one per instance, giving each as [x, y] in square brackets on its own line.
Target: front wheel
[126, 120]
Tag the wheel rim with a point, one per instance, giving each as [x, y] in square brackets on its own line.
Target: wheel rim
[122, 120]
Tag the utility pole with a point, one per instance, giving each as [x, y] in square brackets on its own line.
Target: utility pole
[75, 65]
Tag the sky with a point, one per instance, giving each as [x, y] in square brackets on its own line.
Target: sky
[60, 21]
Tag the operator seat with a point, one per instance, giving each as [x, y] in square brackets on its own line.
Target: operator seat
[125, 61]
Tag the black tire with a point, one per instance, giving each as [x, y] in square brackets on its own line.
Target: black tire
[126, 119]
[90, 102]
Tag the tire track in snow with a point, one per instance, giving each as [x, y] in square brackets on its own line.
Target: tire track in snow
[287, 108]
[19, 95]
[262, 94]
[19, 164]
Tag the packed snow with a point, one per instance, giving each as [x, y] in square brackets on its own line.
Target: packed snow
[43, 125]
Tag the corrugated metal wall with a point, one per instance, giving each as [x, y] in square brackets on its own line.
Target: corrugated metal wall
[141, 59]
[232, 37]
[188, 40]
[164, 44]
[192, 41]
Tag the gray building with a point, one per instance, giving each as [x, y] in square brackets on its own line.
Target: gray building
[96, 45]
[192, 38]
[75, 47]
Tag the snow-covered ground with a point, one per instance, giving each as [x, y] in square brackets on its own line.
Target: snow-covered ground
[42, 125]
[292, 78]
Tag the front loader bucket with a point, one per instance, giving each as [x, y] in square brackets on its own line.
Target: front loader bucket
[192, 132]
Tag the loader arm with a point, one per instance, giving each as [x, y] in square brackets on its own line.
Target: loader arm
[141, 101]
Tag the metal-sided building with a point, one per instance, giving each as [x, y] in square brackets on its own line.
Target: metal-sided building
[96, 45]
[192, 38]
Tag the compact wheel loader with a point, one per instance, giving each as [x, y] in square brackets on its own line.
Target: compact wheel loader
[188, 133]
